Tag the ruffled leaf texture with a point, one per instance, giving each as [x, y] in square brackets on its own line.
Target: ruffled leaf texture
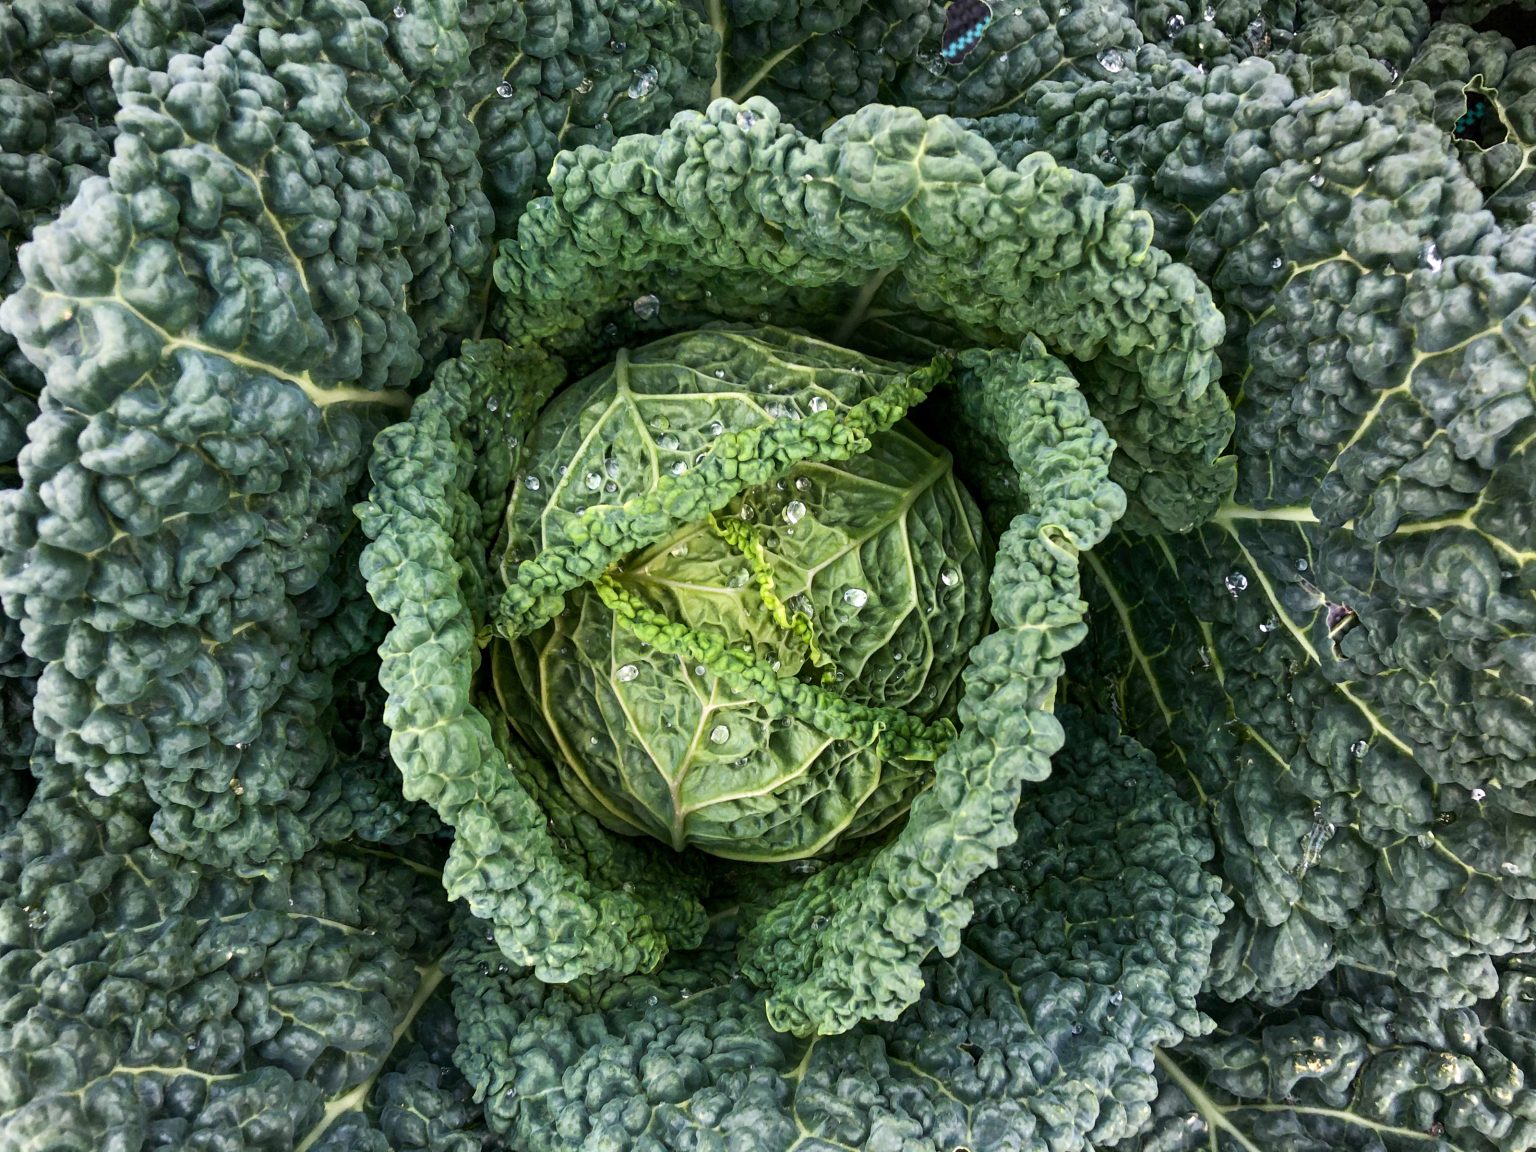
[222, 322]
[1087, 949]
[150, 1003]
[1340, 661]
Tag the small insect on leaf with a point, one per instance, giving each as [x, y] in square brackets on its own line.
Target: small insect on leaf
[964, 23]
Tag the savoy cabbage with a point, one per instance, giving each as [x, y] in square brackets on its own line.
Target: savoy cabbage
[694, 574]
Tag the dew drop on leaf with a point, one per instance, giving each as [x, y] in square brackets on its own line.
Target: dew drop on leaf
[678, 467]
[818, 923]
[647, 307]
[794, 512]
[949, 577]
[745, 119]
[1359, 748]
[818, 403]
[1509, 868]
[1479, 795]
[532, 483]
[593, 481]
[399, 12]
[680, 550]
[714, 428]
[505, 90]
[667, 442]
[643, 84]
[627, 673]
[1277, 262]
[719, 734]
[1269, 625]
[857, 597]
[1111, 60]
[1316, 180]
[585, 86]
[1175, 24]
[1429, 256]
[1235, 583]
[492, 404]
[612, 467]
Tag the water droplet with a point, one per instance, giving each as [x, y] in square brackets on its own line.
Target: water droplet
[617, 45]
[1316, 180]
[745, 119]
[1111, 60]
[1429, 256]
[680, 550]
[1425, 839]
[505, 90]
[1302, 565]
[1175, 25]
[856, 597]
[1391, 68]
[592, 740]
[794, 512]
[714, 428]
[627, 673]
[1209, 14]
[1077, 1029]
[719, 734]
[585, 86]
[1479, 795]
[1116, 996]
[934, 63]
[610, 488]
[802, 605]
[1235, 583]
[805, 867]
[1257, 30]
[399, 11]
[1509, 868]
[1277, 263]
[492, 404]
[748, 512]
[949, 577]
[818, 404]
[612, 466]
[818, 923]
[593, 481]
[643, 84]
[1359, 748]
[531, 483]
[647, 307]
[1269, 625]
[1003, 59]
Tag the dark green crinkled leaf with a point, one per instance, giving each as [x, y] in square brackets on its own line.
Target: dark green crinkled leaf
[147, 1003]
[1355, 1066]
[220, 323]
[1368, 788]
[1086, 951]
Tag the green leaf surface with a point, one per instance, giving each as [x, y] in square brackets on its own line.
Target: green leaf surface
[732, 213]
[1087, 948]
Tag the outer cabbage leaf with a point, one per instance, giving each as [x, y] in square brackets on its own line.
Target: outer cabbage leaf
[734, 214]
[1088, 946]
[147, 1003]
[560, 892]
[1340, 662]
[220, 322]
[1357, 1065]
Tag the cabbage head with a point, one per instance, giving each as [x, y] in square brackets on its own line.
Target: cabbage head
[854, 585]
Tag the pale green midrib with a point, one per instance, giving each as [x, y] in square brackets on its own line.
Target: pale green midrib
[431, 976]
[717, 22]
[318, 394]
[861, 303]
